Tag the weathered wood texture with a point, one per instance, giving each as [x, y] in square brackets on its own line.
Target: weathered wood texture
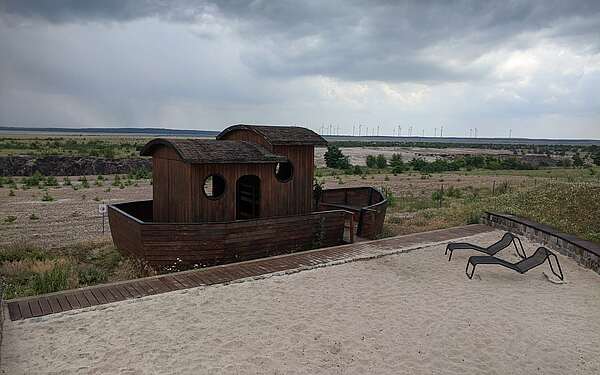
[178, 190]
[28, 307]
[163, 244]
[368, 205]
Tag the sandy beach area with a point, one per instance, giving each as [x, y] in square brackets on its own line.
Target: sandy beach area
[409, 313]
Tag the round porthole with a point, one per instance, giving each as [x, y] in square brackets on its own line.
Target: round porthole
[284, 171]
[214, 186]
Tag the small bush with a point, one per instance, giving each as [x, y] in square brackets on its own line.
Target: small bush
[437, 196]
[92, 275]
[53, 276]
[84, 182]
[10, 219]
[116, 181]
[11, 193]
[51, 181]
[388, 193]
[34, 180]
[453, 192]
[33, 217]
[67, 181]
[47, 197]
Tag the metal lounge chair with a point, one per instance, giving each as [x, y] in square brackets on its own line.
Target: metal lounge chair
[538, 258]
[505, 242]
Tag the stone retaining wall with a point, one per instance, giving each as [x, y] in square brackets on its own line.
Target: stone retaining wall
[586, 253]
[69, 165]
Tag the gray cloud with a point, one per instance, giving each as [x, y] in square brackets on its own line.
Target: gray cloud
[288, 61]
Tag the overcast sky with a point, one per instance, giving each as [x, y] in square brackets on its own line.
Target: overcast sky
[533, 67]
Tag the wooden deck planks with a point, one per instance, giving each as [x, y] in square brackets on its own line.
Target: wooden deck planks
[63, 301]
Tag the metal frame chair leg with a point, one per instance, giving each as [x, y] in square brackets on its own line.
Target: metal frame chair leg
[446, 252]
[515, 238]
[467, 271]
[561, 276]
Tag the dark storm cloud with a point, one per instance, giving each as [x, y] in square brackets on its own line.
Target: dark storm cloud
[353, 40]
[192, 63]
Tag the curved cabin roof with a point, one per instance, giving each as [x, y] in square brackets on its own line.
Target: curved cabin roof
[208, 151]
[281, 135]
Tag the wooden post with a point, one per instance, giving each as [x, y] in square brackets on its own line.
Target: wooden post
[351, 228]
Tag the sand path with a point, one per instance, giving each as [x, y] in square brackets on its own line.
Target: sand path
[412, 313]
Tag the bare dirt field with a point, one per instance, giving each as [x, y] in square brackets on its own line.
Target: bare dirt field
[73, 214]
[71, 217]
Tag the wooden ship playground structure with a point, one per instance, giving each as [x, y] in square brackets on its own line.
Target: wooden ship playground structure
[247, 194]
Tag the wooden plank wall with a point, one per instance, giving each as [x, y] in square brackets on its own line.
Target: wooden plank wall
[372, 203]
[126, 232]
[171, 189]
[216, 243]
[178, 187]
[371, 225]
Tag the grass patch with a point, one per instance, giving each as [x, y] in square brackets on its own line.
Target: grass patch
[27, 270]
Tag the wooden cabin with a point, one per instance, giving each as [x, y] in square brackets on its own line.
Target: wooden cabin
[246, 194]
[248, 172]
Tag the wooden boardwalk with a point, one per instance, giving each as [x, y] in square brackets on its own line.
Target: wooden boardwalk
[29, 307]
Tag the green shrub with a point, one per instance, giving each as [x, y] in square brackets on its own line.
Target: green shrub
[334, 158]
[34, 180]
[453, 192]
[11, 193]
[59, 277]
[67, 181]
[84, 182]
[381, 161]
[371, 161]
[388, 193]
[51, 181]
[437, 195]
[10, 219]
[47, 197]
[117, 181]
[33, 217]
[92, 275]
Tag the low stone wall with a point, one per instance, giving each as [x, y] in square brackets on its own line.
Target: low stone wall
[586, 253]
[69, 165]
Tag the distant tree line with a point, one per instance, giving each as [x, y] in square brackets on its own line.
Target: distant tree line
[549, 149]
[334, 158]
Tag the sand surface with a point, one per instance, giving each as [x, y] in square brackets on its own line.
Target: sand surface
[411, 313]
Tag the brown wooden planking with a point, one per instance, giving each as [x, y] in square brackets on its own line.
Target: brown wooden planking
[25, 310]
[83, 301]
[54, 304]
[44, 305]
[36, 309]
[13, 311]
[63, 302]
